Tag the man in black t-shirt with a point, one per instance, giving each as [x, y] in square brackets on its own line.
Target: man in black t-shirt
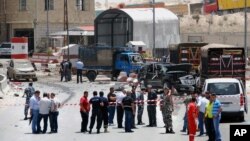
[128, 106]
[152, 100]
[112, 105]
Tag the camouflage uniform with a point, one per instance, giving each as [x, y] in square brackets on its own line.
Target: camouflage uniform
[29, 93]
[140, 105]
[167, 108]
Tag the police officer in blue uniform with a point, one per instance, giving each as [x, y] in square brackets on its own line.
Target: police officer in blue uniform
[96, 103]
[128, 106]
[104, 110]
[152, 100]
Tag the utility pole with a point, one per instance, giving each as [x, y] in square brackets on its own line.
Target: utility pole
[153, 4]
[66, 24]
[47, 33]
[5, 20]
[245, 36]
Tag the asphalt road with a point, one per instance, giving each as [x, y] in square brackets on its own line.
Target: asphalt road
[13, 127]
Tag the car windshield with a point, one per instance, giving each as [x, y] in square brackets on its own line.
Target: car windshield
[23, 64]
[224, 88]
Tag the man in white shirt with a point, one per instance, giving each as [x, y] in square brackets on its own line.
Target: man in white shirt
[44, 108]
[55, 104]
[120, 112]
[79, 67]
[202, 103]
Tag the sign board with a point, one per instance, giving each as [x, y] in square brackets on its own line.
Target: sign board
[19, 48]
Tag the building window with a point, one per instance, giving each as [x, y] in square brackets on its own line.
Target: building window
[22, 5]
[49, 5]
[80, 5]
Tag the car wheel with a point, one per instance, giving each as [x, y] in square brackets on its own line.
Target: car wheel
[35, 79]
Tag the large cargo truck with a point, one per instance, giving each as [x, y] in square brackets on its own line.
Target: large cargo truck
[218, 60]
[186, 53]
[111, 60]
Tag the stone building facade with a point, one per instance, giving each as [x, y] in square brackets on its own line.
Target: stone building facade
[29, 18]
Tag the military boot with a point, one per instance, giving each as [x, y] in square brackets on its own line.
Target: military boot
[171, 131]
[167, 130]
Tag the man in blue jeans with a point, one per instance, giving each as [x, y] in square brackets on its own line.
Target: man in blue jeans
[34, 111]
[128, 106]
[216, 116]
[112, 105]
[202, 106]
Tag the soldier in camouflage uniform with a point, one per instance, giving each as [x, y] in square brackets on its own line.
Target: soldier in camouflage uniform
[29, 93]
[167, 108]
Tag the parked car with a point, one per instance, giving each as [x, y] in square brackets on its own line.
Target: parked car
[231, 93]
[21, 69]
[5, 49]
[165, 74]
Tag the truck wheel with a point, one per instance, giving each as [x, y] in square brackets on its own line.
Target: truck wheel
[91, 75]
[115, 74]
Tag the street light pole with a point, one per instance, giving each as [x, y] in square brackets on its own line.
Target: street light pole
[153, 4]
[245, 36]
[67, 22]
[47, 32]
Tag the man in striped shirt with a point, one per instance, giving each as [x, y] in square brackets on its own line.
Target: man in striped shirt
[216, 116]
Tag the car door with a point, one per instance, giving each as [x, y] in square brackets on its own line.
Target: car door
[153, 76]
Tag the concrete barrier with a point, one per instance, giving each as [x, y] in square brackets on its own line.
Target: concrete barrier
[4, 87]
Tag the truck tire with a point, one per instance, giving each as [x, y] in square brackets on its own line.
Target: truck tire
[91, 75]
[115, 74]
[35, 79]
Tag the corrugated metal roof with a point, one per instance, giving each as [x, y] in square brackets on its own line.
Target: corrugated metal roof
[146, 14]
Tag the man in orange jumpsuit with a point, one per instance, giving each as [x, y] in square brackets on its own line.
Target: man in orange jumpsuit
[192, 114]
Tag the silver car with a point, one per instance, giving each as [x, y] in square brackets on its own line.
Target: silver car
[21, 69]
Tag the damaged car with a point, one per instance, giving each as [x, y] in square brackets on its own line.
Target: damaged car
[166, 74]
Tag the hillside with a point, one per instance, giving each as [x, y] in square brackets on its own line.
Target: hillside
[213, 24]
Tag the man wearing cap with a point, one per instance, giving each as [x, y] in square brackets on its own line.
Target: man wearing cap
[152, 100]
[167, 107]
[29, 92]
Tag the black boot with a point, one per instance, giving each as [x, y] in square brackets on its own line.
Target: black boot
[171, 131]
[167, 131]
[98, 131]
[90, 131]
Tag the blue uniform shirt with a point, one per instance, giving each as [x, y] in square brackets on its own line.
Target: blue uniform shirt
[95, 101]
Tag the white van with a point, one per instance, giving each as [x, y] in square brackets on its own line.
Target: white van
[231, 93]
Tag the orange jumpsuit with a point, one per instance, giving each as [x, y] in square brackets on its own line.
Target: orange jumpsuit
[192, 111]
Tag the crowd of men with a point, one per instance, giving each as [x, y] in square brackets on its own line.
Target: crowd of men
[204, 109]
[41, 109]
[125, 102]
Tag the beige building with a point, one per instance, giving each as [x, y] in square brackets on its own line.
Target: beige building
[29, 18]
